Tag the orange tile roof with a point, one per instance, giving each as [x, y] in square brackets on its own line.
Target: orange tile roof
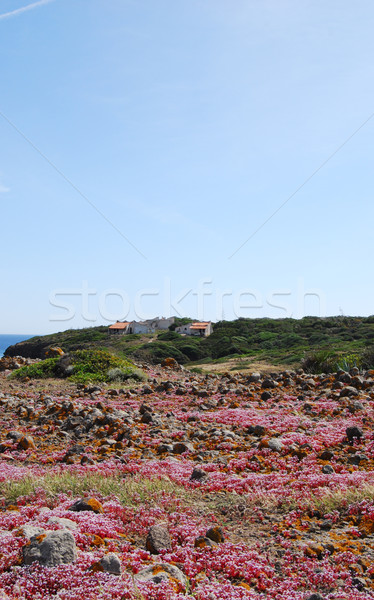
[199, 325]
[119, 325]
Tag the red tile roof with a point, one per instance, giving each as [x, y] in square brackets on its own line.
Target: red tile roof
[119, 325]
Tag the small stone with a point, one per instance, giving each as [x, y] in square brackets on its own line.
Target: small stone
[328, 469]
[275, 444]
[326, 525]
[26, 442]
[353, 432]
[269, 383]
[111, 563]
[146, 417]
[181, 447]
[315, 597]
[158, 573]
[204, 542]
[92, 505]
[198, 475]
[326, 455]
[158, 539]
[265, 396]
[254, 377]
[215, 534]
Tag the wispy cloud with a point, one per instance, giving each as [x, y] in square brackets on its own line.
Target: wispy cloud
[23, 9]
[4, 189]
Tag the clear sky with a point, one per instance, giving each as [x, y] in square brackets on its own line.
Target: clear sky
[143, 142]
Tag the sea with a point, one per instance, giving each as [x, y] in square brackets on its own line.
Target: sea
[7, 340]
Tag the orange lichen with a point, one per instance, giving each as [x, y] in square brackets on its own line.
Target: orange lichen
[95, 505]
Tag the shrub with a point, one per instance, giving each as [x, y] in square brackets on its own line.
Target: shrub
[40, 370]
[368, 358]
[168, 336]
[88, 366]
[120, 375]
[324, 361]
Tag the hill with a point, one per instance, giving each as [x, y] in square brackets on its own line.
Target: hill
[278, 341]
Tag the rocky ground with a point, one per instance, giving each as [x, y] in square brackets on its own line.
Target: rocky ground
[237, 486]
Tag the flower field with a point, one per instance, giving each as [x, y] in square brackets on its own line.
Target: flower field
[261, 485]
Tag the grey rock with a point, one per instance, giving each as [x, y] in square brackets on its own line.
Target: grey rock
[328, 469]
[254, 377]
[348, 390]
[164, 448]
[158, 539]
[146, 417]
[357, 458]
[269, 383]
[198, 475]
[326, 525]
[111, 563]
[315, 597]
[158, 573]
[64, 523]
[353, 432]
[275, 444]
[326, 455]
[181, 447]
[345, 378]
[52, 549]
[29, 531]
[81, 505]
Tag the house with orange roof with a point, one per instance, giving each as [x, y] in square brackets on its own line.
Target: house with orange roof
[119, 328]
[198, 328]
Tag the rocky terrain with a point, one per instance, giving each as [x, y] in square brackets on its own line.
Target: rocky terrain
[189, 486]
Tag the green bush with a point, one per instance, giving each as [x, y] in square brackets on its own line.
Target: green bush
[88, 366]
[168, 336]
[120, 375]
[367, 359]
[155, 352]
[324, 361]
[40, 370]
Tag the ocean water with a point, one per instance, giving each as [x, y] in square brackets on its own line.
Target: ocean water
[8, 340]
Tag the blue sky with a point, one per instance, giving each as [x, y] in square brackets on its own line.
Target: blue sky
[144, 142]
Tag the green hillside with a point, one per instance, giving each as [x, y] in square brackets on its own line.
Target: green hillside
[279, 341]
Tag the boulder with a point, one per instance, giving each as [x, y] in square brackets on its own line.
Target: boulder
[50, 549]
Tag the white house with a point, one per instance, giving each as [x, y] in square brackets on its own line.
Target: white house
[199, 328]
[140, 327]
[150, 325]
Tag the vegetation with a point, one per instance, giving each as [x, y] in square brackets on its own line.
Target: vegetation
[129, 491]
[322, 344]
[83, 366]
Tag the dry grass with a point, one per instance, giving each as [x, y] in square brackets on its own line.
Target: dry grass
[130, 491]
[241, 365]
[339, 500]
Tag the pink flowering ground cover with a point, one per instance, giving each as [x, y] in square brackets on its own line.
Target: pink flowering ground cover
[291, 491]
